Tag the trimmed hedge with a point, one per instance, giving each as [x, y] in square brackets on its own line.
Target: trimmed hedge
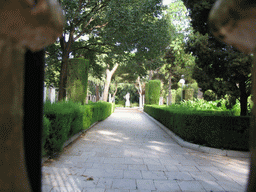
[65, 119]
[209, 95]
[152, 92]
[77, 79]
[146, 93]
[205, 128]
[45, 132]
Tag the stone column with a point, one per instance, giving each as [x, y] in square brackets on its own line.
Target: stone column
[26, 28]
[109, 98]
[140, 102]
[161, 100]
[52, 94]
[56, 95]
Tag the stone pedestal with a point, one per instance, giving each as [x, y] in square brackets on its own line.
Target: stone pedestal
[140, 102]
[161, 101]
[52, 94]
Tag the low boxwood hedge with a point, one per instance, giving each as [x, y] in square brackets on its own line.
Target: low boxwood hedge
[213, 129]
[62, 120]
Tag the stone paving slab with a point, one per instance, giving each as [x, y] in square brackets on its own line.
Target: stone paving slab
[128, 153]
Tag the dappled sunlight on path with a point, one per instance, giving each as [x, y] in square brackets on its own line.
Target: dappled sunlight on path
[128, 152]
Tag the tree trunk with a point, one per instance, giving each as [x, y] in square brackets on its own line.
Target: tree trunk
[65, 48]
[243, 97]
[150, 75]
[140, 92]
[109, 75]
[113, 97]
[63, 77]
[140, 101]
[86, 98]
[170, 89]
[97, 93]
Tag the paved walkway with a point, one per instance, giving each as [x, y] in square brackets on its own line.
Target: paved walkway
[129, 153]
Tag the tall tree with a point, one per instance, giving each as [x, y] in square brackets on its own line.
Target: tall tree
[148, 40]
[118, 25]
[177, 61]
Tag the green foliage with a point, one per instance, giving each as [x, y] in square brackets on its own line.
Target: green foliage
[212, 107]
[78, 79]
[209, 95]
[195, 87]
[101, 110]
[123, 89]
[219, 67]
[179, 16]
[77, 92]
[138, 25]
[60, 115]
[65, 119]
[113, 27]
[231, 101]
[178, 62]
[154, 89]
[52, 65]
[45, 133]
[218, 106]
[213, 129]
[120, 103]
[135, 105]
[173, 96]
[147, 93]
[179, 91]
[189, 93]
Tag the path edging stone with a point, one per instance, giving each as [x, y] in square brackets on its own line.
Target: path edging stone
[181, 142]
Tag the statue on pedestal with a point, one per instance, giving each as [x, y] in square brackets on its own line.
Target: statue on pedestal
[127, 102]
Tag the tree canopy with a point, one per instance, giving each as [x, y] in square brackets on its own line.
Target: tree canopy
[219, 67]
[110, 27]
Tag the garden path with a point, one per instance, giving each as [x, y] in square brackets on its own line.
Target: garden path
[127, 152]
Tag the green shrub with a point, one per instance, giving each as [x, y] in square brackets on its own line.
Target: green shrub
[77, 79]
[121, 103]
[147, 93]
[135, 105]
[77, 92]
[60, 115]
[230, 102]
[212, 128]
[178, 95]
[153, 92]
[64, 119]
[87, 113]
[173, 96]
[45, 133]
[189, 94]
[209, 95]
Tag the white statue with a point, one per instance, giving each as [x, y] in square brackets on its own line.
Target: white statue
[127, 97]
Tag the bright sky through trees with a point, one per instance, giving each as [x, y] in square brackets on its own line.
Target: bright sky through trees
[167, 2]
